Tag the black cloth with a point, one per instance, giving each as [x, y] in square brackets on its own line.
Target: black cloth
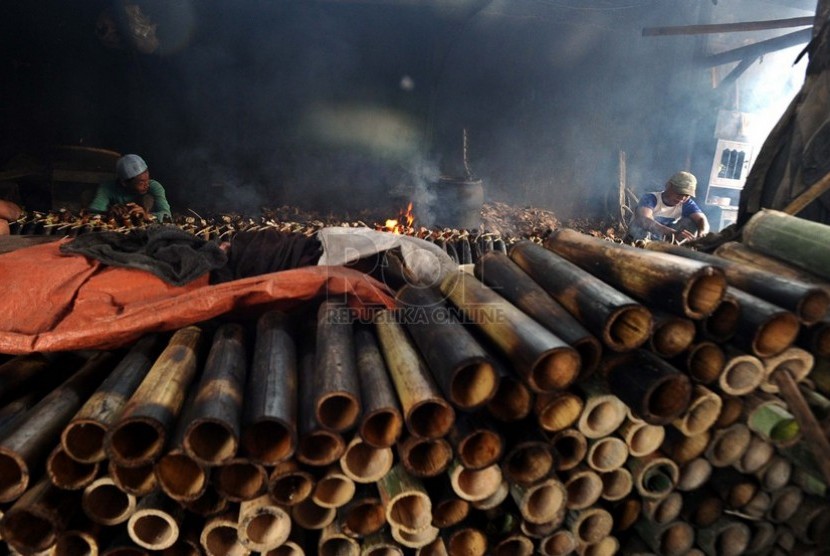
[265, 251]
[175, 256]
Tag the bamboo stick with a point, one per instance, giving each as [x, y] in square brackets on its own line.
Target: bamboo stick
[239, 479]
[336, 384]
[333, 542]
[139, 435]
[702, 413]
[569, 448]
[155, 523]
[460, 365]
[407, 504]
[584, 487]
[770, 232]
[512, 401]
[640, 437]
[68, 474]
[558, 410]
[543, 360]
[33, 523]
[542, 502]
[797, 361]
[382, 423]
[725, 537]
[364, 514]
[138, 481]
[363, 463]
[606, 454]
[262, 525]
[424, 457]
[289, 485]
[103, 502]
[219, 536]
[616, 484]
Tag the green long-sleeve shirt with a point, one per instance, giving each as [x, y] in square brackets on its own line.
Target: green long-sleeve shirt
[113, 193]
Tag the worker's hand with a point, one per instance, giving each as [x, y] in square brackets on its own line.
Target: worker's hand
[137, 211]
[687, 235]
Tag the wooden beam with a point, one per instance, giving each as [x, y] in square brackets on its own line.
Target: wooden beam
[808, 196]
[727, 27]
[736, 72]
[759, 48]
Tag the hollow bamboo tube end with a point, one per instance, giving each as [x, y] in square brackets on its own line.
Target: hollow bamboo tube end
[512, 400]
[558, 411]
[704, 292]
[337, 411]
[672, 337]
[153, 529]
[542, 502]
[431, 418]
[694, 474]
[606, 454]
[180, 477]
[728, 445]
[569, 447]
[103, 502]
[481, 448]
[601, 416]
[555, 369]
[418, 539]
[495, 499]
[70, 543]
[474, 485]
[775, 335]
[642, 438]
[68, 474]
[239, 479]
[309, 515]
[663, 510]
[135, 441]
[559, 543]
[705, 362]
[528, 462]
[289, 485]
[320, 448]
[333, 490]
[381, 428]
[269, 441]
[262, 525]
[797, 361]
[423, 457]
[473, 384]
[138, 481]
[702, 413]
[450, 511]
[14, 475]
[210, 441]
[627, 328]
[591, 525]
[584, 488]
[363, 463]
[813, 306]
[83, 440]
[741, 375]
[467, 540]
[220, 536]
[723, 323]
[515, 545]
[364, 517]
[616, 484]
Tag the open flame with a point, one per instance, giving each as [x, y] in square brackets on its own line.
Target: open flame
[402, 223]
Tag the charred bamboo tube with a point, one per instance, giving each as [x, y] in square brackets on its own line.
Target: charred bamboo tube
[590, 525]
[512, 401]
[181, 476]
[382, 544]
[528, 456]
[83, 437]
[123, 545]
[24, 449]
[68, 474]
[363, 463]
[289, 485]
[816, 338]
[13, 412]
[767, 417]
[220, 538]
[663, 510]
[569, 448]
[542, 502]
[560, 543]
[447, 508]
[140, 433]
[654, 476]
[702, 508]
[602, 413]
[424, 457]
[336, 385]
[364, 514]
[584, 487]
[543, 360]
[728, 445]
[188, 542]
[797, 361]
[407, 504]
[702, 413]
[741, 253]
[757, 454]
[262, 524]
[775, 474]
[426, 412]
[25, 372]
[785, 502]
[81, 537]
[606, 454]
[474, 485]
[212, 436]
[731, 411]
[208, 504]
[736, 489]
[742, 373]
[723, 323]
[499, 272]
[763, 329]
[558, 410]
[807, 301]
[669, 539]
[703, 362]
[725, 537]
[333, 489]
[671, 335]
[32, 524]
[460, 365]
[308, 515]
[494, 500]
[640, 437]
[616, 484]
[616, 319]
[681, 448]
[239, 479]
[676, 284]
[694, 474]
[138, 481]
[155, 522]
[418, 539]
[809, 524]
[269, 431]
[334, 542]
[769, 232]
[654, 390]
[476, 441]
[626, 513]
[103, 502]
[381, 423]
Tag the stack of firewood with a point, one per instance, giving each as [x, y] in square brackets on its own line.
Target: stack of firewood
[578, 396]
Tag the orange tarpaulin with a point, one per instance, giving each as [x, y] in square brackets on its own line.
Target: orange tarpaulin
[54, 302]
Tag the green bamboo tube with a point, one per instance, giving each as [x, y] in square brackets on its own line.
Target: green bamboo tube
[407, 504]
[797, 361]
[181, 476]
[559, 543]
[288, 484]
[426, 412]
[381, 424]
[543, 360]
[23, 450]
[640, 437]
[616, 319]
[513, 400]
[694, 474]
[742, 373]
[703, 362]
[808, 482]
[424, 457]
[606, 454]
[382, 544]
[417, 539]
[741, 253]
[83, 437]
[669, 539]
[138, 481]
[663, 510]
[499, 272]
[476, 440]
[584, 487]
[68, 474]
[309, 515]
[33, 523]
[757, 454]
[794, 240]
[542, 502]
[569, 448]
[725, 537]
[767, 416]
[336, 385]
[219, 535]
[333, 489]
[723, 323]
[474, 485]
[671, 335]
[654, 475]
[616, 484]
[702, 413]
[364, 514]
[785, 503]
[363, 463]
[239, 479]
[806, 300]
[681, 448]
[155, 523]
[262, 525]
[602, 412]
[728, 445]
[558, 410]
[103, 502]
[334, 542]
[447, 508]
[463, 369]
[139, 435]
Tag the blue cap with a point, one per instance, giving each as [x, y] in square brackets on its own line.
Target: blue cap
[129, 166]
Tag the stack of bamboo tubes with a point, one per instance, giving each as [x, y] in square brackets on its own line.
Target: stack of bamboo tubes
[578, 397]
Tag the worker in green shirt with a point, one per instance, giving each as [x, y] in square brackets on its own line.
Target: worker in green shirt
[133, 193]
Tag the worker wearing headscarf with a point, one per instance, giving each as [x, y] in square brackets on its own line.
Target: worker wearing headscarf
[670, 213]
[133, 191]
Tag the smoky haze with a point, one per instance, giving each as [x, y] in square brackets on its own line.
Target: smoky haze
[340, 106]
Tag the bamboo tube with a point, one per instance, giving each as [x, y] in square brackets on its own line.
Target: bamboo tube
[212, 437]
[735, 488]
[810, 523]
[641, 439]
[494, 500]
[797, 361]
[138, 481]
[363, 463]
[616, 484]
[543, 360]
[763, 329]
[558, 410]
[703, 362]
[188, 542]
[671, 335]
[364, 515]
[663, 510]
[820, 375]
[654, 476]
[156, 521]
[741, 253]
[80, 538]
[559, 543]
[447, 508]
[702, 507]
[767, 417]
[681, 448]
[655, 391]
[668, 539]
[606, 454]
[239, 479]
[220, 538]
[83, 437]
[465, 539]
[262, 525]
[726, 537]
[542, 502]
[584, 487]
[616, 319]
[728, 445]
[512, 400]
[569, 448]
[123, 545]
[424, 457]
[474, 485]
[807, 301]
[758, 506]
[626, 513]
[462, 368]
[308, 515]
[514, 545]
[426, 413]
[807, 482]
[18, 373]
[528, 456]
[476, 441]
[602, 413]
[181, 476]
[732, 409]
[289, 485]
[13, 412]
[741, 374]
[333, 542]
[269, 430]
[541, 530]
[785, 502]
[702, 413]
[816, 338]
[769, 232]
[333, 489]
[32, 524]
[382, 423]
[694, 474]
[775, 474]
[762, 537]
[605, 547]
[382, 544]
[139, 435]
[407, 504]
[209, 504]
[590, 525]
[420, 538]
[336, 385]
[434, 548]
[68, 474]
[103, 502]
[723, 323]
[499, 272]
